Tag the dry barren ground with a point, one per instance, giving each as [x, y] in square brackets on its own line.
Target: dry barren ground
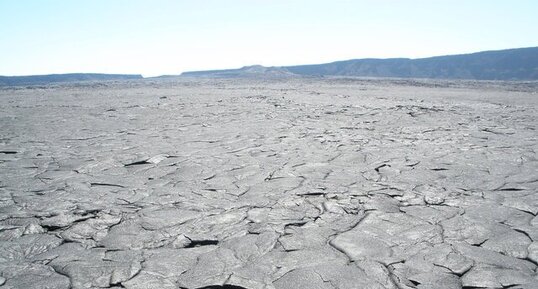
[313, 183]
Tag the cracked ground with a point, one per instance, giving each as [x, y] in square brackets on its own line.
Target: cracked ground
[301, 183]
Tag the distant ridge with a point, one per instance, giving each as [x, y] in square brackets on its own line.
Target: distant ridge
[246, 71]
[58, 78]
[509, 64]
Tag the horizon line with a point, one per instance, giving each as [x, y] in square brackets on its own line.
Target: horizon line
[277, 66]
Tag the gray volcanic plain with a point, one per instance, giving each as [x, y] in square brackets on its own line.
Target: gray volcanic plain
[334, 183]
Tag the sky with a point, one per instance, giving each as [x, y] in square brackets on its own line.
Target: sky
[158, 37]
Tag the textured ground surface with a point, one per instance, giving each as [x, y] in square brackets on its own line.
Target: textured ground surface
[277, 184]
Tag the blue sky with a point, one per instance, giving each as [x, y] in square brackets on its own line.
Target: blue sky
[155, 37]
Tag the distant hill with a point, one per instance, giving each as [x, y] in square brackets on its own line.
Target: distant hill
[510, 64]
[247, 71]
[57, 78]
